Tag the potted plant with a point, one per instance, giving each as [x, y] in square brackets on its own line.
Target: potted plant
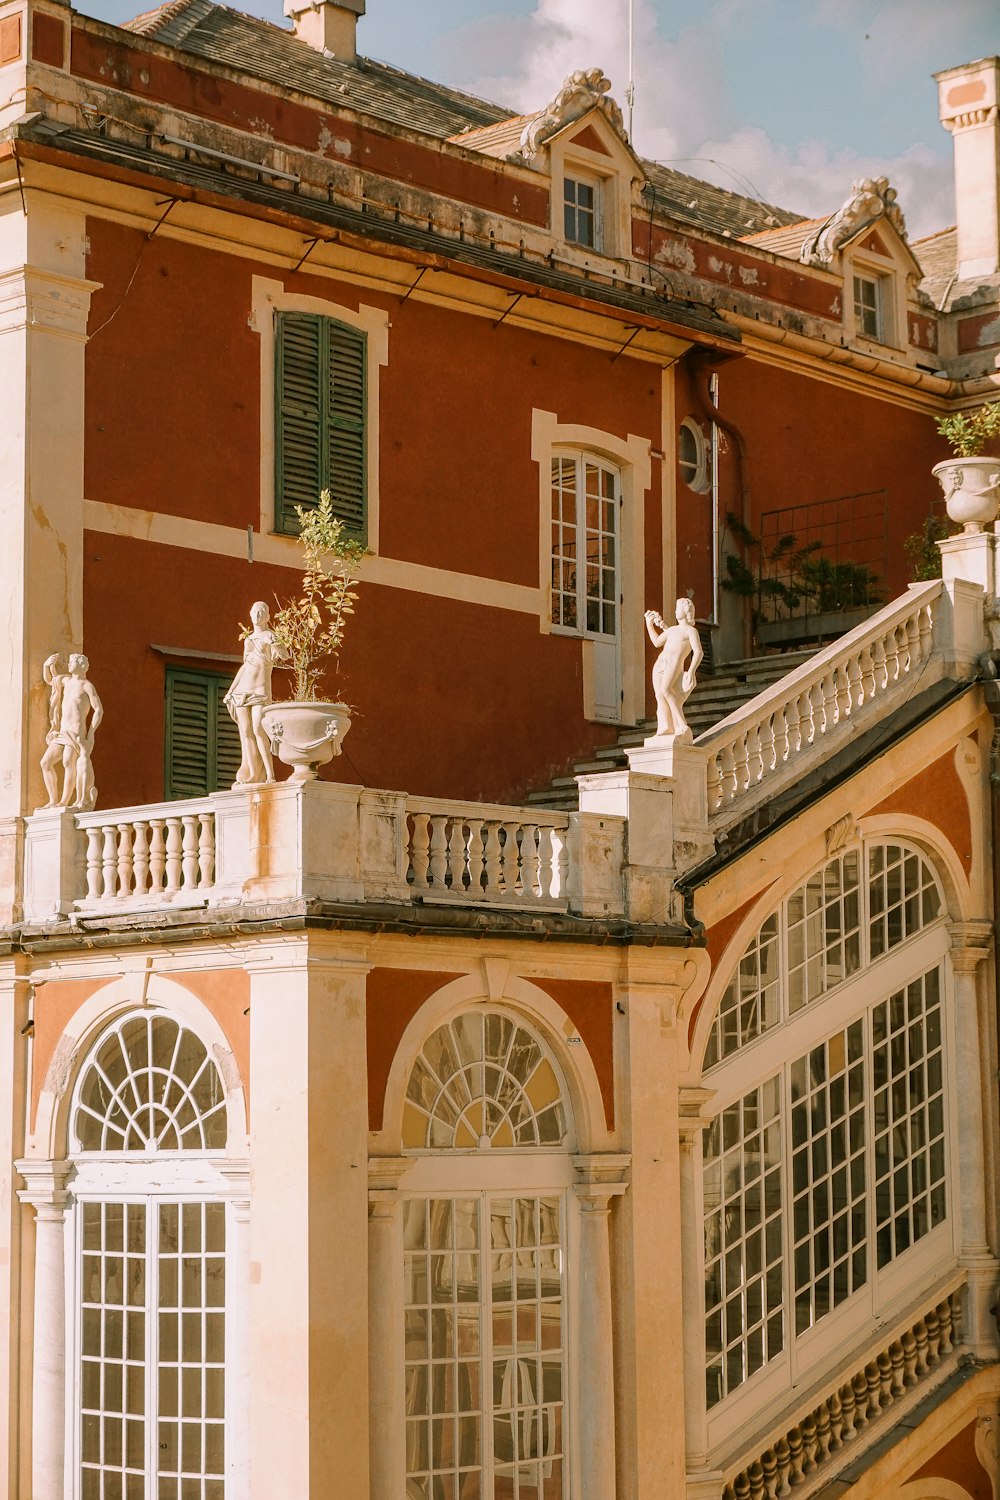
[971, 482]
[307, 731]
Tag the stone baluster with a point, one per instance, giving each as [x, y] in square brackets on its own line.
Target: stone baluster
[914, 643]
[206, 850]
[511, 859]
[492, 858]
[173, 857]
[755, 758]
[561, 862]
[925, 626]
[599, 1182]
[458, 855]
[438, 853]
[532, 877]
[189, 851]
[419, 846]
[824, 1435]
[45, 1191]
[95, 874]
[124, 860]
[714, 784]
[946, 1325]
[897, 1383]
[386, 1327]
[880, 675]
[140, 858]
[157, 855]
[908, 1347]
[109, 860]
[783, 1467]
[933, 1338]
[836, 1411]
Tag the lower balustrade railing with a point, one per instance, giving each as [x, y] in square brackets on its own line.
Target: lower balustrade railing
[231, 846]
[458, 852]
[852, 1408]
[167, 853]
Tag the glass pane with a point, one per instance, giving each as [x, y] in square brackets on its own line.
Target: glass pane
[151, 1086]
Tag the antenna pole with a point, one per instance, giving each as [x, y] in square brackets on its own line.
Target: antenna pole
[630, 91]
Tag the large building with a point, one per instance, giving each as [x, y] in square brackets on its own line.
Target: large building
[459, 1128]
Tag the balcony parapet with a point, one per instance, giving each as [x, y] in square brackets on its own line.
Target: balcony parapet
[320, 842]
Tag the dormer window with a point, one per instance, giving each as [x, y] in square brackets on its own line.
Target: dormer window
[869, 312]
[581, 211]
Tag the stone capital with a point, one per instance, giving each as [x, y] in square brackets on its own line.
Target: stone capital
[601, 1176]
[46, 302]
[385, 1177]
[692, 1103]
[45, 1186]
[971, 943]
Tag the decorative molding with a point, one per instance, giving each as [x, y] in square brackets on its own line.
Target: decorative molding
[601, 1176]
[581, 92]
[971, 943]
[841, 833]
[971, 118]
[871, 199]
[45, 301]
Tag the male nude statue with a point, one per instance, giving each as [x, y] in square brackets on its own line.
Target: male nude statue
[70, 740]
[672, 681]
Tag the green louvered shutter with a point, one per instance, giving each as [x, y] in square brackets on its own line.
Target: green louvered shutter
[320, 418]
[202, 752]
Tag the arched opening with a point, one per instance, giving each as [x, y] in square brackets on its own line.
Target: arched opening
[487, 1239]
[150, 1228]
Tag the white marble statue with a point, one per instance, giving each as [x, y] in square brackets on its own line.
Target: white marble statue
[249, 695]
[73, 701]
[674, 675]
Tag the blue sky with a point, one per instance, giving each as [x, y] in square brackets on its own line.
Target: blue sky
[796, 97]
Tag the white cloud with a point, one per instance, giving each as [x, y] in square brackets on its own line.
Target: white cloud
[683, 110]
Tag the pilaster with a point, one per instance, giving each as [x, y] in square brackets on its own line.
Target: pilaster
[386, 1328]
[652, 1393]
[971, 947]
[308, 1225]
[692, 1123]
[601, 1179]
[15, 992]
[44, 308]
[45, 1191]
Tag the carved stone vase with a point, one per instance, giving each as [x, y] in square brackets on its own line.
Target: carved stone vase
[971, 490]
[306, 736]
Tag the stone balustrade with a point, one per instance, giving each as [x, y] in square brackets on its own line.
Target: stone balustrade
[458, 852]
[319, 841]
[806, 716]
[805, 1451]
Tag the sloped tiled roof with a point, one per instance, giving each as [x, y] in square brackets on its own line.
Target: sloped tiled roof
[787, 239]
[501, 140]
[251, 45]
[264, 50]
[703, 204]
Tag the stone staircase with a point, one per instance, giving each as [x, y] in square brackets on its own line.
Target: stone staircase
[715, 696]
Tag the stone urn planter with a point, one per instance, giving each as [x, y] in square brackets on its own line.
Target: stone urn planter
[971, 490]
[306, 735]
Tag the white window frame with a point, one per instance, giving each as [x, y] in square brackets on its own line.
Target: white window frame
[700, 476]
[633, 458]
[887, 1292]
[267, 298]
[861, 280]
[521, 1171]
[154, 1178]
[580, 177]
[580, 529]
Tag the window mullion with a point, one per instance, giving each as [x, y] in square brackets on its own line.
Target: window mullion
[486, 1345]
[788, 1268]
[581, 544]
[152, 1350]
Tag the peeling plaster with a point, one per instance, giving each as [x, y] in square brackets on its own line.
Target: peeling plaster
[678, 254]
[748, 275]
[988, 334]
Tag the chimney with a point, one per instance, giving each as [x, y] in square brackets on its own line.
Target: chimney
[967, 103]
[327, 25]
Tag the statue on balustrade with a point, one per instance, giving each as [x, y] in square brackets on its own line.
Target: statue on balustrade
[75, 711]
[249, 695]
[675, 672]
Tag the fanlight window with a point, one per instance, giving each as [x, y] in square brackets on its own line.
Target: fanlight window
[151, 1086]
[823, 933]
[482, 1081]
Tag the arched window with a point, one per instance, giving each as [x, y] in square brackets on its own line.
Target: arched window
[149, 1322]
[824, 1165]
[485, 1264]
